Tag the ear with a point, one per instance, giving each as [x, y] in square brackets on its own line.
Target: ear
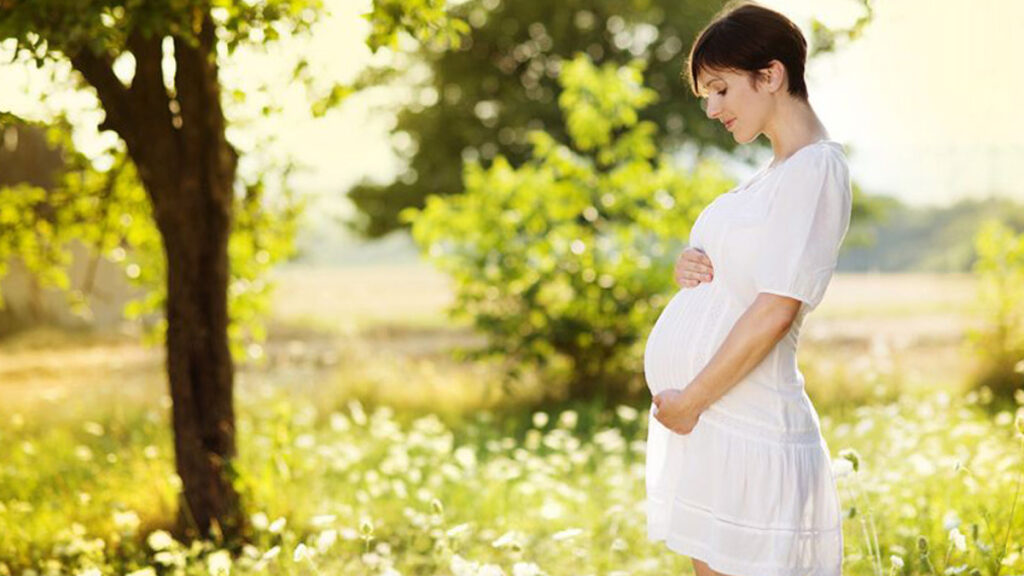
[775, 76]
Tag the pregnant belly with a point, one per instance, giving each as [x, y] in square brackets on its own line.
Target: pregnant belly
[686, 335]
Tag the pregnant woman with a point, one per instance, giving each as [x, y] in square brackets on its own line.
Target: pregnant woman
[739, 476]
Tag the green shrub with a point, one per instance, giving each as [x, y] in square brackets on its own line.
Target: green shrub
[999, 343]
[565, 261]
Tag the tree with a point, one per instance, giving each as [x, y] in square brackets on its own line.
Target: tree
[483, 98]
[173, 130]
[176, 151]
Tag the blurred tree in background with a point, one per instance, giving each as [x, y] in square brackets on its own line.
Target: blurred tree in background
[557, 261]
[481, 99]
[999, 341]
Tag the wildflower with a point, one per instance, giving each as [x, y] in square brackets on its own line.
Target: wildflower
[842, 467]
[462, 567]
[958, 539]
[626, 413]
[526, 569]
[568, 419]
[566, 534]
[896, 561]
[277, 525]
[950, 520]
[540, 419]
[326, 539]
[490, 570]
[260, 521]
[219, 563]
[160, 540]
[302, 553]
[458, 529]
[506, 539]
[126, 522]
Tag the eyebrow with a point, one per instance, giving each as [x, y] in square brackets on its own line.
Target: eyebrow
[713, 79]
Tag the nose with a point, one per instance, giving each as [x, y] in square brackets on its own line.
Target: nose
[712, 108]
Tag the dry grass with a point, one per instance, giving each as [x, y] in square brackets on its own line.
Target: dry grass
[381, 333]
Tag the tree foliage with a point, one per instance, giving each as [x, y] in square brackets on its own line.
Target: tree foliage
[482, 98]
[556, 260]
[999, 342]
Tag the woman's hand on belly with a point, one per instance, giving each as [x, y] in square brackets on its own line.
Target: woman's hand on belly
[675, 412]
[693, 267]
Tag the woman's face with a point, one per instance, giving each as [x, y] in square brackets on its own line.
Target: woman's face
[730, 99]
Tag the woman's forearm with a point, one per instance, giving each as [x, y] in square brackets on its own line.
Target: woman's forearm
[753, 336]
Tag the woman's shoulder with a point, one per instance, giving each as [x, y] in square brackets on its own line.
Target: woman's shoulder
[820, 155]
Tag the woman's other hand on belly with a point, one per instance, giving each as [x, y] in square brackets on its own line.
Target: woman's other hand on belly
[674, 410]
[693, 267]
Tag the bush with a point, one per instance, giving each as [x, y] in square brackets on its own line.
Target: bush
[565, 261]
[1000, 342]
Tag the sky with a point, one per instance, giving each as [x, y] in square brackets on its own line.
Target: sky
[924, 100]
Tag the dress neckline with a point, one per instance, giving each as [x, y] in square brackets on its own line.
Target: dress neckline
[769, 168]
[797, 151]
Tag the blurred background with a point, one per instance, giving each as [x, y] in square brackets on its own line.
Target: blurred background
[417, 347]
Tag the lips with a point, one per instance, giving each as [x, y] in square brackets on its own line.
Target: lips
[729, 124]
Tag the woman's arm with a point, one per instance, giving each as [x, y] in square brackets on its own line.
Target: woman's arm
[753, 336]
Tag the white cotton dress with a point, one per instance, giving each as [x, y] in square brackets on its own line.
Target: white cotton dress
[750, 489]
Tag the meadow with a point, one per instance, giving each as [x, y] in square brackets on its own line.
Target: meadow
[366, 449]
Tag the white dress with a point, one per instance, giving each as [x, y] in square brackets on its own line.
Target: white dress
[750, 489]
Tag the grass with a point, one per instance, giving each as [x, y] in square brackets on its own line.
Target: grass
[366, 450]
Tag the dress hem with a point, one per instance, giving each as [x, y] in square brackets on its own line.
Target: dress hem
[731, 567]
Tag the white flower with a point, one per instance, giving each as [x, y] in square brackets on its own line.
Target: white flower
[897, 561]
[958, 539]
[160, 540]
[219, 563]
[506, 539]
[568, 419]
[841, 467]
[526, 569]
[491, 570]
[326, 539]
[126, 522]
[950, 520]
[462, 567]
[277, 525]
[260, 521]
[302, 553]
[540, 419]
[566, 534]
[626, 413]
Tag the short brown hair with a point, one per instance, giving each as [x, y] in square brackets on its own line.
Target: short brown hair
[746, 36]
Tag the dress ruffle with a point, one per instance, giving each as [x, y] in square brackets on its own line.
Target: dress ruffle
[745, 499]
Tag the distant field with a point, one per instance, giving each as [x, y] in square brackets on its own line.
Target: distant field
[375, 325]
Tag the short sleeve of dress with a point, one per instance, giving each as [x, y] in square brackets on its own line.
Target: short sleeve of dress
[806, 222]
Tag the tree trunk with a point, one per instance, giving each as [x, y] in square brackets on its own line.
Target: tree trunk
[177, 141]
[200, 372]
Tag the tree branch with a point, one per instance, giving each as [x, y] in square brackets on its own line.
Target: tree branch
[99, 72]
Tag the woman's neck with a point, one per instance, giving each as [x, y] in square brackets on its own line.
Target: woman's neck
[793, 126]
